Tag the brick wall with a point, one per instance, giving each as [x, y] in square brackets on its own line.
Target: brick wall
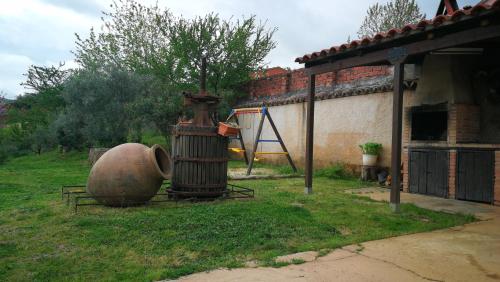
[268, 86]
[298, 80]
[348, 75]
[452, 125]
[468, 123]
[463, 123]
[406, 183]
[452, 184]
[497, 178]
[276, 81]
[269, 72]
[406, 125]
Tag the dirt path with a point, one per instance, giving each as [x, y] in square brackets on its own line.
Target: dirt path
[464, 253]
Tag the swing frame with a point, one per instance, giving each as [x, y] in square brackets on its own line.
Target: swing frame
[264, 113]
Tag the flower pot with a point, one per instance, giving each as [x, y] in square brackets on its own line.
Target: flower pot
[226, 129]
[128, 174]
[369, 160]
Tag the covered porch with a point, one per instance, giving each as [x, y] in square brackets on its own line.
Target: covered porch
[474, 31]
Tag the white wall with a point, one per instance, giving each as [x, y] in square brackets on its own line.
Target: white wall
[341, 124]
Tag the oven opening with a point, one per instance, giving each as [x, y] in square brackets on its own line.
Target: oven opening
[429, 125]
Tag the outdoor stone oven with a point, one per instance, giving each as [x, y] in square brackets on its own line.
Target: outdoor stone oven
[451, 134]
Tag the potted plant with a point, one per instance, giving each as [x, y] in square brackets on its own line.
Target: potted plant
[370, 153]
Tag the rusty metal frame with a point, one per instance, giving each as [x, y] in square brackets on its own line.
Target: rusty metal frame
[232, 192]
[74, 193]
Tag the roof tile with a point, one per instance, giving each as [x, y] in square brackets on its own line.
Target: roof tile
[483, 6]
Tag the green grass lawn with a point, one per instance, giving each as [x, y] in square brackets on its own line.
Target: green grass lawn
[42, 239]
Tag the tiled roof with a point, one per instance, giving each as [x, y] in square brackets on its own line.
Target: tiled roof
[483, 7]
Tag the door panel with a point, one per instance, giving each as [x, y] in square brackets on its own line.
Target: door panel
[475, 176]
[428, 172]
[417, 172]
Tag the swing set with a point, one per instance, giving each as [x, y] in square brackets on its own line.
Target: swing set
[264, 113]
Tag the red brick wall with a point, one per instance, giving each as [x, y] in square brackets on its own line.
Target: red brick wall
[269, 86]
[468, 123]
[406, 184]
[406, 125]
[452, 174]
[298, 80]
[276, 81]
[268, 72]
[463, 123]
[325, 79]
[452, 125]
[497, 178]
[356, 73]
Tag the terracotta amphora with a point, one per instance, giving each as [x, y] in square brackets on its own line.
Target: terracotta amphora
[128, 174]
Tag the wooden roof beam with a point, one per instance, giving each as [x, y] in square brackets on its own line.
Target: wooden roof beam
[416, 48]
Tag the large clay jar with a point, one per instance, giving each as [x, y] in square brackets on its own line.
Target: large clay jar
[128, 174]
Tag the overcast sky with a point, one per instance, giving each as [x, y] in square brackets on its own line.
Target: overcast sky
[41, 32]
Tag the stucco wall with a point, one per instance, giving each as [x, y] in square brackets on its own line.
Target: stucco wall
[340, 126]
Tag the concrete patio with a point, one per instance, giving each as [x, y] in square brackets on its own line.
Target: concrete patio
[463, 253]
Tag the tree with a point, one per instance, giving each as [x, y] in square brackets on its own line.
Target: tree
[151, 41]
[3, 110]
[35, 109]
[394, 14]
[104, 107]
[42, 138]
[41, 78]
[27, 119]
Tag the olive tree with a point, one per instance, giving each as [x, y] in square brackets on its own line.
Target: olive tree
[96, 105]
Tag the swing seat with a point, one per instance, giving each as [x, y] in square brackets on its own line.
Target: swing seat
[247, 111]
[271, 153]
[256, 156]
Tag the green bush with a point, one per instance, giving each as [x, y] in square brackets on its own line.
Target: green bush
[3, 154]
[371, 148]
[287, 169]
[14, 141]
[337, 171]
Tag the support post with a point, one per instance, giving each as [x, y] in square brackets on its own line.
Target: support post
[256, 143]
[397, 118]
[310, 135]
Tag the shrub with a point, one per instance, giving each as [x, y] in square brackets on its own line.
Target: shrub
[337, 171]
[287, 169]
[14, 141]
[67, 130]
[371, 148]
[3, 153]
